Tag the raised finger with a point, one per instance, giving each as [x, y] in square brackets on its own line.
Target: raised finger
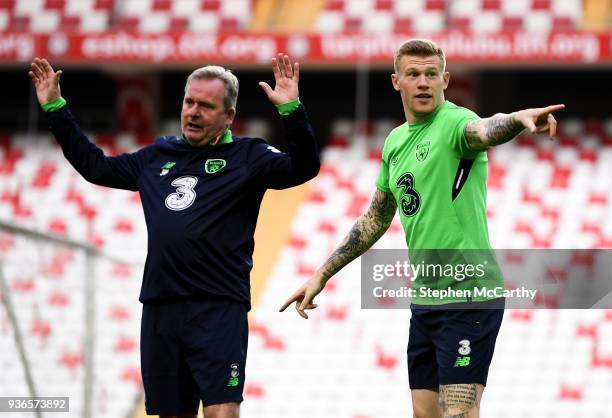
[276, 69]
[288, 67]
[281, 64]
[289, 301]
[33, 77]
[296, 71]
[554, 108]
[47, 67]
[35, 69]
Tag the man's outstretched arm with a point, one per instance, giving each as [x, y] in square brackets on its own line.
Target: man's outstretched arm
[501, 128]
[364, 233]
[119, 172]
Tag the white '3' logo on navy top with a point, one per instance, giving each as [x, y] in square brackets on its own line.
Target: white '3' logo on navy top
[184, 195]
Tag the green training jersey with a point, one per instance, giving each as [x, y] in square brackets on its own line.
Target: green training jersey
[439, 184]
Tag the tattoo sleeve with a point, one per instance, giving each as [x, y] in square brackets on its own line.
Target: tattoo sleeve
[488, 132]
[457, 400]
[364, 233]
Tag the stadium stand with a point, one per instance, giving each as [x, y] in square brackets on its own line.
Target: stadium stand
[329, 16]
[428, 16]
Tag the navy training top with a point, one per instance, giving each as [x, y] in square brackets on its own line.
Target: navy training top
[200, 203]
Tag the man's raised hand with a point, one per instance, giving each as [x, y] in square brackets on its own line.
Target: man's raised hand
[45, 79]
[286, 78]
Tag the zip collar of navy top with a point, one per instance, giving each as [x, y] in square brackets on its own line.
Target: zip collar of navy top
[226, 138]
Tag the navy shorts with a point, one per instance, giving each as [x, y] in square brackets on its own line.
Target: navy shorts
[191, 351]
[452, 346]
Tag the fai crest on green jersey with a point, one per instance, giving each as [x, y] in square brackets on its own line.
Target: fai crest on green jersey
[422, 150]
[214, 166]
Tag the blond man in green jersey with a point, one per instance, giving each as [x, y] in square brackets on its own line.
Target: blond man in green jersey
[434, 170]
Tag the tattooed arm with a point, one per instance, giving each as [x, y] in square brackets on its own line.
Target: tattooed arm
[364, 233]
[501, 128]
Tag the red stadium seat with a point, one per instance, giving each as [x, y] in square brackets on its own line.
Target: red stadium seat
[71, 360]
[436, 5]
[570, 393]
[541, 5]
[386, 361]
[353, 24]
[461, 23]
[106, 5]
[59, 299]
[403, 24]
[162, 5]
[211, 5]
[8, 5]
[334, 5]
[133, 375]
[58, 5]
[385, 5]
[254, 390]
[512, 24]
[119, 313]
[491, 5]
[70, 23]
[125, 344]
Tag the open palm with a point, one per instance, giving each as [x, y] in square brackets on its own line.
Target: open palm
[46, 80]
[286, 77]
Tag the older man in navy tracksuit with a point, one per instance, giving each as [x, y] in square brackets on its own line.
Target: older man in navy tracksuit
[201, 194]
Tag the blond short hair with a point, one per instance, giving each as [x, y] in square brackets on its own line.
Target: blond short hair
[229, 79]
[419, 48]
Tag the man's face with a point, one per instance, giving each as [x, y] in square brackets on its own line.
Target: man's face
[203, 116]
[421, 84]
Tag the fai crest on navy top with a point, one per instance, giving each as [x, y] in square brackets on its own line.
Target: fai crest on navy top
[422, 150]
[214, 166]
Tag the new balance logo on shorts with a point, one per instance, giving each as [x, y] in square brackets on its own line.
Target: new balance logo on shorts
[462, 361]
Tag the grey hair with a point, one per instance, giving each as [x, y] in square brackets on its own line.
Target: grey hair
[229, 79]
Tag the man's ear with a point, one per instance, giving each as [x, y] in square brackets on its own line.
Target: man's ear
[446, 77]
[231, 113]
[395, 82]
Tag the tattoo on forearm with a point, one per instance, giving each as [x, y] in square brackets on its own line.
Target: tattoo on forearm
[492, 131]
[457, 400]
[502, 128]
[364, 233]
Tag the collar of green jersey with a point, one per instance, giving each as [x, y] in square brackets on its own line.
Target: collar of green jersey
[430, 116]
